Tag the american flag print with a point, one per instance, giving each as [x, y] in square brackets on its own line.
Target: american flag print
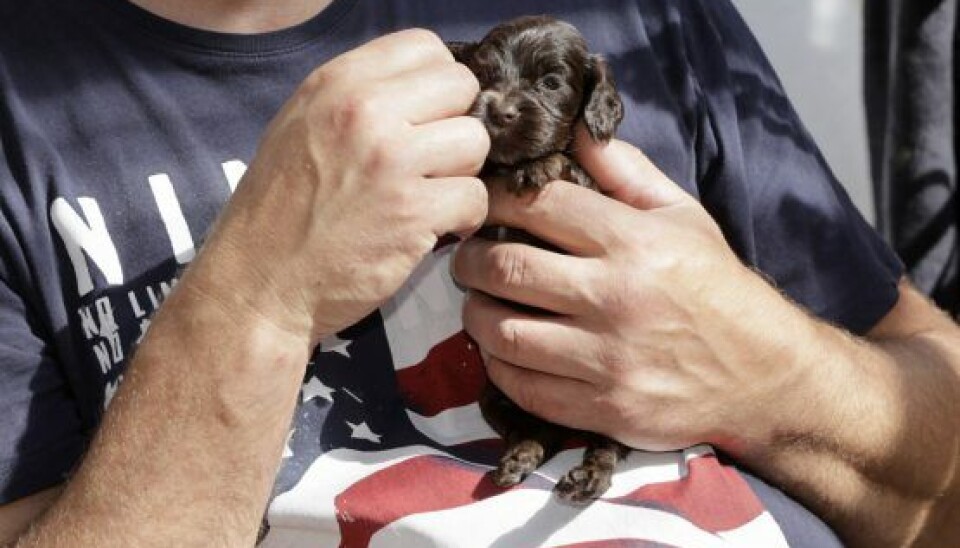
[388, 449]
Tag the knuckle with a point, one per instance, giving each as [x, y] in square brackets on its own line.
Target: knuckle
[623, 241]
[619, 298]
[407, 209]
[609, 403]
[589, 289]
[465, 77]
[321, 77]
[384, 155]
[550, 201]
[482, 138]
[509, 339]
[332, 76]
[471, 146]
[667, 269]
[479, 202]
[524, 395]
[615, 304]
[509, 268]
[357, 111]
[428, 40]
[613, 361]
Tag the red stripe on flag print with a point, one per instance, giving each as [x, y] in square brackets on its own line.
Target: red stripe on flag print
[712, 496]
[452, 375]
[379, 498]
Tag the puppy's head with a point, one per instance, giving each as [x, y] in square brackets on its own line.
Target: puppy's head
[537, 80]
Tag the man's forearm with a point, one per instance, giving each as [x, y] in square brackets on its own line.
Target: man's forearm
[189, 448]
[869, 438]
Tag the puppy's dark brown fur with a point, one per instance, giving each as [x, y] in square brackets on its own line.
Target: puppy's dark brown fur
[538, 80]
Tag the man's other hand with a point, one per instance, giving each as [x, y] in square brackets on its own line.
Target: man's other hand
[647, 317]
[366, 166]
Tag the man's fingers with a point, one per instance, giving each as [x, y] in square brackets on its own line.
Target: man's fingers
[390, 55]
[557, 399]
[575, 219]
[625, 173]
[455, 205]
[526, 275]
[429, 92]
[546, 344]
[449, 148]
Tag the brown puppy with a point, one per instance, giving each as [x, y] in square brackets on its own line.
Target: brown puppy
[538, 81]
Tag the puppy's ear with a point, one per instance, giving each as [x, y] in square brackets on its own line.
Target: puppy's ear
[462, 51]
[602, 109]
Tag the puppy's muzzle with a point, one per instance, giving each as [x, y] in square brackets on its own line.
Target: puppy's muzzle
[498, 110]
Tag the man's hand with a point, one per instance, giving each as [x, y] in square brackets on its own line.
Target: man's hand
[365, 167]
[656, 335]
[633, 336]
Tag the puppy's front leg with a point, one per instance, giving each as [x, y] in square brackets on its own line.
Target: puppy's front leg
[535, 174]
[594, 475]
[529, 440]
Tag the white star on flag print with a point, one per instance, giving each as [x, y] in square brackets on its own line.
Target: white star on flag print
[315, 388]
[390, 450]
[335, 344]
[362, 432]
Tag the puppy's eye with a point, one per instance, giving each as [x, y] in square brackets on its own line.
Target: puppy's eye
[551, 82]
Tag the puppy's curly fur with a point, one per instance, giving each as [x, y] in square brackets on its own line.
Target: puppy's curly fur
[538, 80]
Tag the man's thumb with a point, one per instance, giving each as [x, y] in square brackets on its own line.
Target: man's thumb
[625, 173]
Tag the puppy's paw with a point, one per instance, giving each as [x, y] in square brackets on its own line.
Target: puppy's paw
[536, 174]
[584, 483]
[517, 463]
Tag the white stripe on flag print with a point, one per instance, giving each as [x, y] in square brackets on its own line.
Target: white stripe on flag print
[425, 311]
[762, 531]
[310, 505]
[454, 426]
[306, 515]
[535, 518]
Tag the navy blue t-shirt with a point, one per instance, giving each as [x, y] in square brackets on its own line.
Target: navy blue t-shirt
[122, 135]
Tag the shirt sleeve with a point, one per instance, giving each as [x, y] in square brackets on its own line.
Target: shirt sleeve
[762, 176]
[41, 433]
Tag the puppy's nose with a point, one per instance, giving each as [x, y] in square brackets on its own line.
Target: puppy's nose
[505, 112]
[498, 109]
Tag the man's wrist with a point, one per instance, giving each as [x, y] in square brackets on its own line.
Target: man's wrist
[222, 280]
[795, 395]
[196, 317]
